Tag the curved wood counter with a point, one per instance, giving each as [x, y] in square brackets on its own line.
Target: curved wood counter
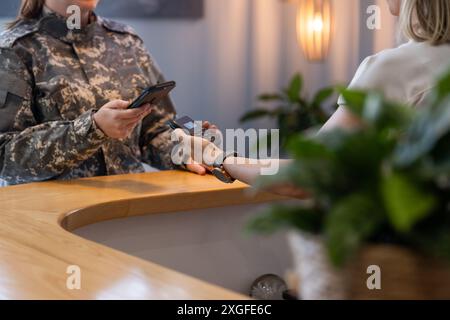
[36, 245]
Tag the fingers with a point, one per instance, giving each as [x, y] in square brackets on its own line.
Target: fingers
[125, 122]
[128, 124]
[208, 169]
[123, 113]
[117, 104]
[126, 131]
[130, 127]
[116, 121]
[180, 135]
[207, 125]
[196, 168]
[134, 113]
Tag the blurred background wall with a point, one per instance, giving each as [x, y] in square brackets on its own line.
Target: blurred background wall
[241, 48]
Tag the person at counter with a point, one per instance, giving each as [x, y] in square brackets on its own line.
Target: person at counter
[405, 74]
[64, 96]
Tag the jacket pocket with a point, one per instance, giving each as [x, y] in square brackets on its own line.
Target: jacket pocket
[14, 94]
[9, 84]
[10, 104]
[62, 99]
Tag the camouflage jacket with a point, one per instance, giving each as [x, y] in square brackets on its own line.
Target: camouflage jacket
[52, 80]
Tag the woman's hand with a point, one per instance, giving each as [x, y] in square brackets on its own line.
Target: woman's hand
[116, 121]
[198, 162]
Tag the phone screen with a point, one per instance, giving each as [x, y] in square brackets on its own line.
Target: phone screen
[188, 124]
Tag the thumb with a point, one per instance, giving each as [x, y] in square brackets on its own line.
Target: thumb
[118, 104]
[196, 168]
[181, 135]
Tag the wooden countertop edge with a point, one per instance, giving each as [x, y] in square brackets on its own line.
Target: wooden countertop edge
[36, 247]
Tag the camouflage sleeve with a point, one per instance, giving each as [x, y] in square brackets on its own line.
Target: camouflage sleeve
[36, 152]
[155, 136]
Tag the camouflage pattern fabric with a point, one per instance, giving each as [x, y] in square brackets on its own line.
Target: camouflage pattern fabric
[53, 79]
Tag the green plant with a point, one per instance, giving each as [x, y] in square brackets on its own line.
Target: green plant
[388, 181]
[294, 112]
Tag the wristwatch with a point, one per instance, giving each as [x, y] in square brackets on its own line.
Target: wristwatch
[219, 170]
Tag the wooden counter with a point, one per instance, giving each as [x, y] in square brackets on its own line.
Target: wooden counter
[36, 245]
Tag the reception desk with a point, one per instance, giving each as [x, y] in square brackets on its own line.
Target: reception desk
[37, 243]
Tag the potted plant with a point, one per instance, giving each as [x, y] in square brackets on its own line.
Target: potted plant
[380, 202]
[294, 112]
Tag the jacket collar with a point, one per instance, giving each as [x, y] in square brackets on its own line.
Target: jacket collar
[56, 26]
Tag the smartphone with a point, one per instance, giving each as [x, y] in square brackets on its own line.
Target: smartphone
[185, 123]
[153, 95]
[192, 127]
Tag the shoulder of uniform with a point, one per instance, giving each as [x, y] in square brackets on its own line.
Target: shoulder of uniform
[22, 29]
[117, 26]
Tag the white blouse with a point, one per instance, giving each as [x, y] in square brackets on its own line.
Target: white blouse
[405, 74]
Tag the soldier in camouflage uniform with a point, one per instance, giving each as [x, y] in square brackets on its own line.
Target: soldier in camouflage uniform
[53, 79]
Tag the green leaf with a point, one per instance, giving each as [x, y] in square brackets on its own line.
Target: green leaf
[295, 88]
[434, 239]
[442, 88]
[303, 147]
[373, 107]
[321, 177]
[385, 115]
[428, 127]
[255, 114]
[354, 100]
[360, 154]
[406, 202]
[322, 96]
[317, 176]
[280, 216]
[270, 97]
[351, 221]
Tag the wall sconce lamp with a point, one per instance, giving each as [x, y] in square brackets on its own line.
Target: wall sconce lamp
[314, 26]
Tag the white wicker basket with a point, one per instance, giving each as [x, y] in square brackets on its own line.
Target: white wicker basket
[405, 274]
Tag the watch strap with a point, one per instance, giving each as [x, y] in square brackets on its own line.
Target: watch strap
[219, 170]
[222, 175]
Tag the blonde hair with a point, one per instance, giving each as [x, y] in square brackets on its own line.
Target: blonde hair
[426, 20]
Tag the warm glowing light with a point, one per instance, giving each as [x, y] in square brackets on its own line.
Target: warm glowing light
[317, 24]
[314, 28]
